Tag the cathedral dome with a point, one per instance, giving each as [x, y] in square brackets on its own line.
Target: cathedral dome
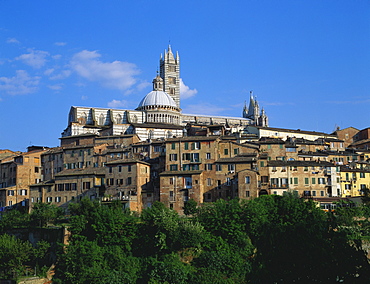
[157, 98]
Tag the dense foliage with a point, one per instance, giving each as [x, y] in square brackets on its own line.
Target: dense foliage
[270, 239]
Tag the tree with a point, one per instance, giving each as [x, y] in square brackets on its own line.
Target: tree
[44, 213]
[13, 219]
[14, 254]
[296, 242]
[190, 207]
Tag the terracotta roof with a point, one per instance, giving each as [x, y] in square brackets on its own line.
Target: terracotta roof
[176, 173]
[299, 164]
[237, 159]
[77, 172]
[126, 161]
[157, 125]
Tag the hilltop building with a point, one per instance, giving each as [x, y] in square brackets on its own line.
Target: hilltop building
[158, 115]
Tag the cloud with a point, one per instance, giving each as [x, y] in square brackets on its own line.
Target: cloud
[84, 98]
[185, 91]
[60, 43]
[12, 40]
[56, 87]
[35, 58]
[114, 75]
[117, 103]
[204, 108]
[61, 75]
[20, 84]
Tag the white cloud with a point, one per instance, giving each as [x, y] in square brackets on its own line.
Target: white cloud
[12, 40]
[61, 75]
[60, 43]
[35, 58]
[141, 86]
[56, 87]
[203, 108]
[20, 84]
[56, 57]
[185, 91]
[117, 103]
[84, 98]
[115, 75]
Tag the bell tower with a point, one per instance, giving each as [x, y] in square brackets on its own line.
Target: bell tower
[170, 73]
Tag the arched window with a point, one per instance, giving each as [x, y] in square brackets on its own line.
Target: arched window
[101, 119]
[118, 119]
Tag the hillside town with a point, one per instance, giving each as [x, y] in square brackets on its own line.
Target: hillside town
[157, 153]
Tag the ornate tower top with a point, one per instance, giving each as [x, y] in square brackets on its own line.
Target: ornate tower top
[170, 73]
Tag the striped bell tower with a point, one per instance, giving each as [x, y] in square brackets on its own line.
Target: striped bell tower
[170, 73]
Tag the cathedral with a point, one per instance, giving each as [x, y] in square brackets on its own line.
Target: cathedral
[158, 115]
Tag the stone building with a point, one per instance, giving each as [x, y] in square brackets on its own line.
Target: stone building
[205, 168]
[158, 115]
[17, 173]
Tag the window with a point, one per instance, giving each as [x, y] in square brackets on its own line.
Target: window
[290, 149]
[23, 191]
[36, 169]
[171, 180]
[173, 157]
[295, 181]
[173, 167]
[173, 146]
[247, 179]
[218, 167]
[347, 186]
[209, 181]
[262, 164]
[306, 181]
[322, 193]
[362, 175]
[208, 156]
[10, 192]
[110, 170]
[321, 180]
[58, 199]
[129, 168]
[236, 151]
[86, 185]
[231, 167]
[226, 151]
[228, 181]
[313, 181]
[208, 167]
[195, 146]
[49, 199]
[247, 193]
[119, 169]
[186, 146]
[313, 192]
[128, 181]
[172, 197]
[306, 169]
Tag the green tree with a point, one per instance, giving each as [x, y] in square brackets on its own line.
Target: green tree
[190, 207]
[297, 243]
[13, 219]
[44, 213]
[14, 255]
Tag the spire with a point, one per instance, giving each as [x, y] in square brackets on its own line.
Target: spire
[245, 110]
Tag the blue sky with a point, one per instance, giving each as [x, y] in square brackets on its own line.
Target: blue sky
[306, 61]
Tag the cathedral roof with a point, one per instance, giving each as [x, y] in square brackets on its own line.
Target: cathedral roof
[157, 98]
